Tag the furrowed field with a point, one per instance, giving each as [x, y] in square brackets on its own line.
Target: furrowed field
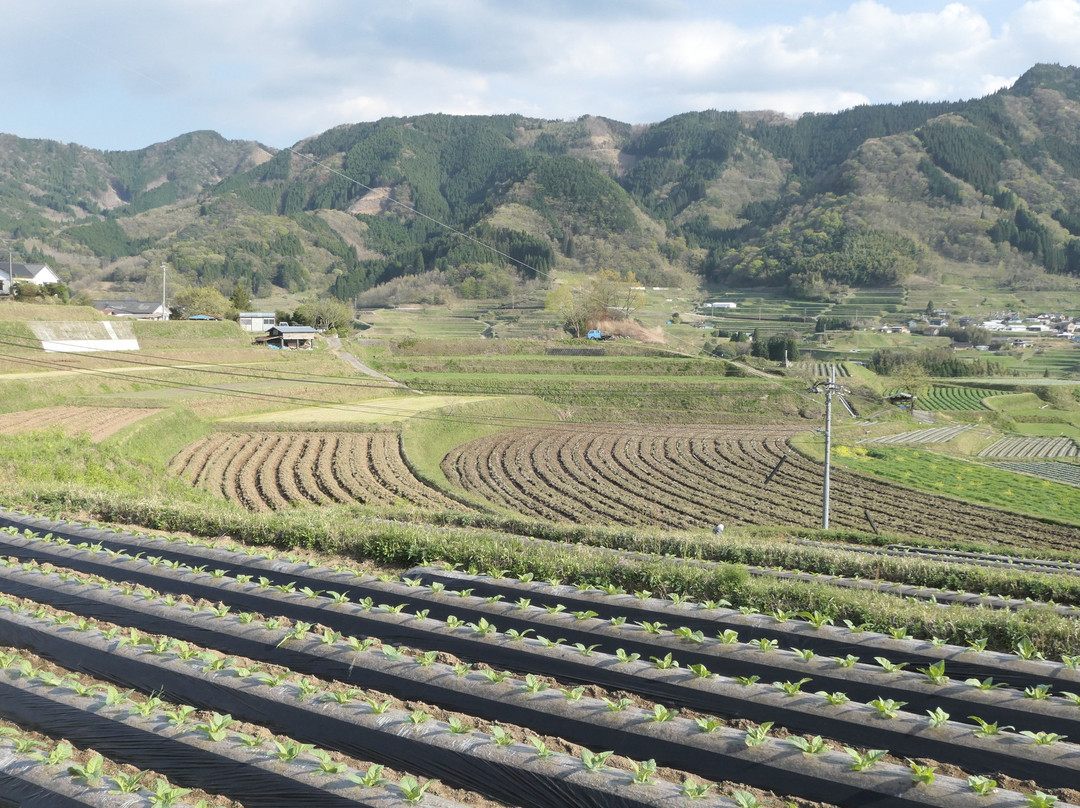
[240, 577]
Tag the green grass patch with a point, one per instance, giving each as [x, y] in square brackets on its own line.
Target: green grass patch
[964, 480]
[426, 441]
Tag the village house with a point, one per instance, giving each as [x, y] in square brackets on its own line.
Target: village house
[38, 274]
[133, 309]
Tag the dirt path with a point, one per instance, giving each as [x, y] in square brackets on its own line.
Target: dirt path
[334, 341]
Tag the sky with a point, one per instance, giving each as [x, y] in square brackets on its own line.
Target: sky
[124, 74]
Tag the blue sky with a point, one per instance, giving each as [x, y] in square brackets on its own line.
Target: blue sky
[123, 74]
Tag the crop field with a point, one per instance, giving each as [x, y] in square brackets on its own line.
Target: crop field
[826, 370]
[1046, 447]
[277, 470]
[286, 679]
[1067, 473]
[98, 422]
[939, 434]
[516, 600]
[695, 477]
[945, 398]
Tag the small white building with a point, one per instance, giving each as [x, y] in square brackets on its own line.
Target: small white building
[720, 305]
[257, 321]
[38, 274]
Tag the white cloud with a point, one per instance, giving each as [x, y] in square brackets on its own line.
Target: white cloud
[280, 70]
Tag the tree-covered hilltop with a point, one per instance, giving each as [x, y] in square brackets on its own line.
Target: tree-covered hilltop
[869, 196]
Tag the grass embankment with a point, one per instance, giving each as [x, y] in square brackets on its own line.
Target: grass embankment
[329, 531]
[952, 477]
[426, 441]
[130, 463]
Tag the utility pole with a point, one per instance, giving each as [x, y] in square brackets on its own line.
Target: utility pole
[164, 311]
[829, 388]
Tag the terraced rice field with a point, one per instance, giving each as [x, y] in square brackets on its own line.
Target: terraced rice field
[940, 434]
[264, 471]
[277, 681]
[98, 422]
[1026, 446]
[941, 398]
[825, 370]
[694, 477]
[1068, 473]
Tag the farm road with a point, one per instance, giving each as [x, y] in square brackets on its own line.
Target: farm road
[334, 341]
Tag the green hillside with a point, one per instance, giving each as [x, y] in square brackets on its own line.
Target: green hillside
[983, 191]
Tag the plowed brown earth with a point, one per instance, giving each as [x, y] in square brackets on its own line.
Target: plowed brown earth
[99, 422]
[263, 471]
[688, 477]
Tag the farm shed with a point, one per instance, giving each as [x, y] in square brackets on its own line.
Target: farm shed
[257, 320]
[289, 336]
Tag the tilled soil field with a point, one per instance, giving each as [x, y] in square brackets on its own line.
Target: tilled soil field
[687, 477]
[98, 422]
[267, 470]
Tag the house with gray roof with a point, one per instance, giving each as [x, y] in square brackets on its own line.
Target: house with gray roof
[134, 309]
[11, 272]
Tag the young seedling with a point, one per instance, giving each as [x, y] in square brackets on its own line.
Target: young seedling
[746, 681]
[846, 661]
[708, 724]
[985, 684]
[887, 707]
[594, 762]
[665, 663]
[756, 736]
[791, 688]
[1038, 692]
[1040, 800]
[861, 761]
[986, 728]
[1025, 649]
[744, 799]
[617, 706]
[533, 684]
[500, 736]
[661, 714]
[372, 778]
[456, 727]
[981, 785]
[622, 656]
[412, 790]
[728, 636]
[696, 637]
[542, 751]
[89, 773]
[935, 674]
[691, 790]
[1043, 738]
[938, 717]
[127, 783]
[922, 774]
[644, 772]
[889, 666]
[813, 746]
[834, 699]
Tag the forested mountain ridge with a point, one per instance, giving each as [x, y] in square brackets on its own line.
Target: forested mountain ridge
[869, 196]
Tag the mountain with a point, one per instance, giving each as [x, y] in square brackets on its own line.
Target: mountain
[875, 195]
